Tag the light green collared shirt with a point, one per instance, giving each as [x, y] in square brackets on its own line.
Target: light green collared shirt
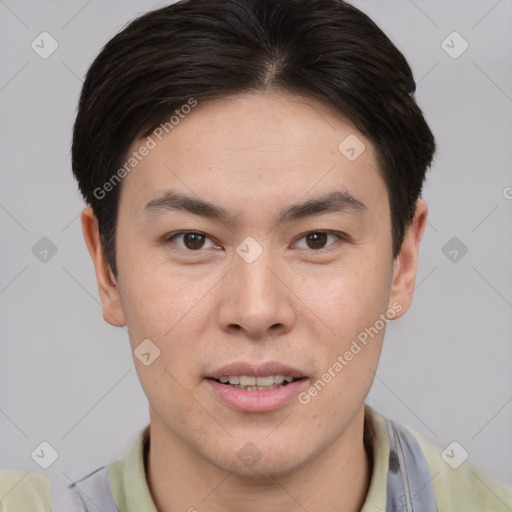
[465, 489]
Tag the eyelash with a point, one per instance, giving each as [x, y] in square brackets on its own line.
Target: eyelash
[340, 236]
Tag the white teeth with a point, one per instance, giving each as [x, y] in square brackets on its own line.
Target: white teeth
[246, 380]
[265, 381]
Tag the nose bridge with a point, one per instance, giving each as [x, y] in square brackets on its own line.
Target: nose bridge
[256, 299]
[256, 279]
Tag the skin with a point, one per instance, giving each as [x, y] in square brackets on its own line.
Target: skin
[298, 303]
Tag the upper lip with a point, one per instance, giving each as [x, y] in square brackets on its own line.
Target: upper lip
[256, 370]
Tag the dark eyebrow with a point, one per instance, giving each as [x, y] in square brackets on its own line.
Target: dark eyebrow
[337, 201]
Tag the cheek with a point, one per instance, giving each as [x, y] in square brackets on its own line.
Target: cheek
[160, 300]
[350, 302]
[350, 296]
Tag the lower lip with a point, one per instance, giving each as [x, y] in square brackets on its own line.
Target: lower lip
[257, 401]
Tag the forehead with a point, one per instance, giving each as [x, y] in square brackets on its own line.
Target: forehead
[249, 148]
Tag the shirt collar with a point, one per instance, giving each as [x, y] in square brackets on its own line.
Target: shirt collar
[131, 491]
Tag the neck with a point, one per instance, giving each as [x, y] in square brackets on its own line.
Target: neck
[337, 478]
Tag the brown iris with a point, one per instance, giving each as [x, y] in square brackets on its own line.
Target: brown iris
[193, 240]
[316, 240]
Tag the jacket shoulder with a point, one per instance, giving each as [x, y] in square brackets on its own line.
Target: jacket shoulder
[21, 491]
[458, 485]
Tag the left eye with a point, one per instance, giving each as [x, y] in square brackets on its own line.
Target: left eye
[317, 239]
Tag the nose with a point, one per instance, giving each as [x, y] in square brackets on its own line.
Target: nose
[257, 298]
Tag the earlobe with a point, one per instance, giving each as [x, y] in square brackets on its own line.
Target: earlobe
[107, 283]
[405, 265]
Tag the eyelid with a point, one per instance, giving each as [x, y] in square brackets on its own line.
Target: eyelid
[338, 235]
[169, 238]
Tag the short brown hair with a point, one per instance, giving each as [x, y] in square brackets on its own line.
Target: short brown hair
[208, 49]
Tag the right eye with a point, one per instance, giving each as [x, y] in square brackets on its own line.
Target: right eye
[193, 241]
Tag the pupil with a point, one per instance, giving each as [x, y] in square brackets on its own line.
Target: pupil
[317, 238]
[194, 240]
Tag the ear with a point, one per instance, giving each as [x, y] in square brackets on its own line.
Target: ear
[107, 284]
[405, 264]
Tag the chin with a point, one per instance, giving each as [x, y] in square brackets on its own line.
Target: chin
[254, 461]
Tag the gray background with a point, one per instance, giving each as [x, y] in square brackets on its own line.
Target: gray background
[67, 377]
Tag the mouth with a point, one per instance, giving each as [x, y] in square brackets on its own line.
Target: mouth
[252, 383]
[251, 388]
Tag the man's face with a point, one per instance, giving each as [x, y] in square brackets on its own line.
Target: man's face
[256, 289]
